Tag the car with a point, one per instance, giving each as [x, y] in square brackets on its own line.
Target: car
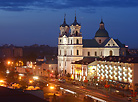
[62, 80]
[52, 80]
[74, 83]
[129, 98]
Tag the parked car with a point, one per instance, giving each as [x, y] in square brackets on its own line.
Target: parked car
[74, 83]
[62, 80]
[129, 98]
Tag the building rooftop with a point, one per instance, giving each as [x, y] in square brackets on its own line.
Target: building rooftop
[93, 43]
[124, 59]
[85, 61]
[11, 95]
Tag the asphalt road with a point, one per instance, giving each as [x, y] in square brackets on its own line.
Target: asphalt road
[93, 92]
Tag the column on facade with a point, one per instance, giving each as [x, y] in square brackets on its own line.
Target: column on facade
[82, 72]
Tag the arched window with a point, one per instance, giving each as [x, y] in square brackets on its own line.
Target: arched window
[100, 41]
[60, 52]
[101, 53]
[111, 53]
[71, 52]
[60, 40]
[77, 52]
[76, 33]
[77, 42]
[71, 41]
[95, 53]
[88, 53]
[123, 53]
[65, 53]
[65, 63]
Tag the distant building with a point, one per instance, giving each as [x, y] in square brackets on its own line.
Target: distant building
[71, 46]
[39, 68]
[41, 59]
[11, 51]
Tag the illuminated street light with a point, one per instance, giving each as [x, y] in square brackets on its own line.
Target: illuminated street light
[20, 78]
[52, 87]
[30, 81]
[1, 81]
[52, 71]
[7, 71]
[35, 77]
[9, 62]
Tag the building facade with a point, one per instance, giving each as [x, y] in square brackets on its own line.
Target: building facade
[71, 46]
[121, 70]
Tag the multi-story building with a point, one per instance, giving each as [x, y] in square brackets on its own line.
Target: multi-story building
[118, 69]
[71, 46]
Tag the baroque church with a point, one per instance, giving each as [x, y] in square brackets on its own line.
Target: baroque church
[72, 47]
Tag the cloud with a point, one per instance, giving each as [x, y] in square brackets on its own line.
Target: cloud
[21, 5]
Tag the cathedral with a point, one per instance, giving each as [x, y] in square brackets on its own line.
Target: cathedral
[72, 47]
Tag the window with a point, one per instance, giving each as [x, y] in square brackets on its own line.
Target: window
[71, 41]
[100, 41]
[101, 53]
[123, 53]
[71, 52]
[108, 44]
[111, 53]
[65, 53]
[60, 52]
[95, 53]
[65, 63]
[77, 42]
[113, 44]
[76, 33]
[88, 53]
[77, 52]
[60, 40]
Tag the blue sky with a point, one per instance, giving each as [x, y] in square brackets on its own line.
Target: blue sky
[27, 22]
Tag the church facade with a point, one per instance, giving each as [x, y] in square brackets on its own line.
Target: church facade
[72, 47]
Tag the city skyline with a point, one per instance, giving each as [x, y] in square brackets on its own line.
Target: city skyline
[37, 21]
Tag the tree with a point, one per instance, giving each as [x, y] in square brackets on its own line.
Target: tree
[2, 70]
[12, 76]
[68, 75]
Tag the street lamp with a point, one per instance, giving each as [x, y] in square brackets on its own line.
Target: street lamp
[52, 87]
[8, 62]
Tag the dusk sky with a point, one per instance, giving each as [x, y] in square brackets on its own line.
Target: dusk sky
[27, 22]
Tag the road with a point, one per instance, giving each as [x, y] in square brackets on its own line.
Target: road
[92, 92]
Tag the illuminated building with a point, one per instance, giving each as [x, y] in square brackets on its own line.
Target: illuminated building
[79, 69]
[122, 70]
[71, 46]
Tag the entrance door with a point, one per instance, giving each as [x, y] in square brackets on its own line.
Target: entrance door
[111, 53]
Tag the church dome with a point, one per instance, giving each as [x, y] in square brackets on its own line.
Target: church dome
[64, 23]
[75, 22]
[101, 31]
